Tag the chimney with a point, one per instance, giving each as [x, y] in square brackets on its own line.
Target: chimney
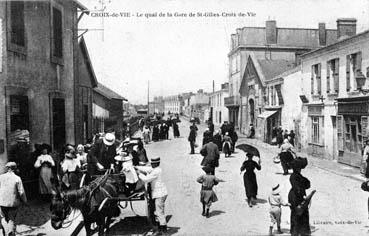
[346, 27]
[271, 32]
[322, 35]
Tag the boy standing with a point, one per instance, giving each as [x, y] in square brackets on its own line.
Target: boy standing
[276, 201]
[158, 190]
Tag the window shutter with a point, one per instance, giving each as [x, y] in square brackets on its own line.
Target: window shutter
[328, 76]
[348, 85]
[339, 120]
[279, 94]
[312, 79]
[364, 129]
[358, 61]
[319, 80]
[336, 75]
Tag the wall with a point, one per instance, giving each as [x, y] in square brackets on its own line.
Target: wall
[335, 51]
[34, 72]
[292, 103]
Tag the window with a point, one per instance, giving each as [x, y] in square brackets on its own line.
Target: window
[56, 34]
[17, 33]
[220, 117]
[315, 129]
[333, 76]
[316, 86]
[19, 113]
[353, 65]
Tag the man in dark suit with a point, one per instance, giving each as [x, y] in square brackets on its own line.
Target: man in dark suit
[101, 155]
[210, 152]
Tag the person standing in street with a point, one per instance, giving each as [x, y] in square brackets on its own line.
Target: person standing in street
[364, 163]
[299, 221]
[207, 194]
[292, 138]
[71, 167]
[159, 191]
[286, 157]
[11, 196]
[276, 201]
[217, 139]
[210, 152]
[249, 178]
[192, 139]
[45, 162]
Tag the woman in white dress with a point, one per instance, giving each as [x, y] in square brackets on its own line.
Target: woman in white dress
[45, 162]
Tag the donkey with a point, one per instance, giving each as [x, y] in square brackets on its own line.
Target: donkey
[91, 201]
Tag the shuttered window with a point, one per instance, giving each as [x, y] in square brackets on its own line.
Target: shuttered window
[336, 74]
[57, 33]
[312, 80]
[339, 120]
[17, 35]
[348, 82]
[329, 76]
[364, 129]
[279, 94]
[318, 79]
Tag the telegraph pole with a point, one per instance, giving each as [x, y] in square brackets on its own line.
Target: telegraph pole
[148, 97]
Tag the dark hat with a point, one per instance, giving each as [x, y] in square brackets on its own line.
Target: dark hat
[299, 163]
[155, 160]
[207, 169]
[45, 146]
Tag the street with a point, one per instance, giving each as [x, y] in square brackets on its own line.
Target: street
[333, 211]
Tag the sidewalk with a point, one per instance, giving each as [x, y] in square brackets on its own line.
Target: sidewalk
[327, 165]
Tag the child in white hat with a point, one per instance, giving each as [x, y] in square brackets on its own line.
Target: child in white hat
[276, 201]
[129, 171]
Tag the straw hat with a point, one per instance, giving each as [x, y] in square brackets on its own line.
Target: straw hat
[109, 139]
[11, 165]
[155, 160]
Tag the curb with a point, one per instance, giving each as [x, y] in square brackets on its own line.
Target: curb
[357, 177]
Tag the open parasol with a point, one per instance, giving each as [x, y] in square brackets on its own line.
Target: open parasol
[249, 149]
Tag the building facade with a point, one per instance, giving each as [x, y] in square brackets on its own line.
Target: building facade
[218, 112]
[268, 43]
[199, 103]
[173, 104]
[335, 82]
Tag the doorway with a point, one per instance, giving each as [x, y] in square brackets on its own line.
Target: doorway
[58, 111]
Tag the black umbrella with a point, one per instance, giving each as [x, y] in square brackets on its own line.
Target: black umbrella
[249, 149]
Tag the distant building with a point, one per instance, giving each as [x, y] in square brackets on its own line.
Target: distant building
[218, 112]
[186, 97]
[267, 43]
[199, 102]
[156, 106]
[173, 104]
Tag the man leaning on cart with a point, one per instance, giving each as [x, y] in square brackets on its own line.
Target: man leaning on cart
[158, 190]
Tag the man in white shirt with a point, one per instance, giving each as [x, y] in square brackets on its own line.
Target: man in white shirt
[158, 190]
[11, 195]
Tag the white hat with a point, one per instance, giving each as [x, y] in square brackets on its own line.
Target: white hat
[109, 139]
[276, 189]
[11, 165]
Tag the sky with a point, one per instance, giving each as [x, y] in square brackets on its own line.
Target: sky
[180, 53]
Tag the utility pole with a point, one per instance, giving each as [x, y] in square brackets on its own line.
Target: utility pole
[148, 97]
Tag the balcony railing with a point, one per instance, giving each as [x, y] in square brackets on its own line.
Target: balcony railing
[232, 101]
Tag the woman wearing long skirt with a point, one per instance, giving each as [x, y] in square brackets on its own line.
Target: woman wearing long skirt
[45, 162]
[249, 178]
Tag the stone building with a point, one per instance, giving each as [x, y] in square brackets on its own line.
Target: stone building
[334, 119]
[199, 103]
[267, 43]
[38, 79]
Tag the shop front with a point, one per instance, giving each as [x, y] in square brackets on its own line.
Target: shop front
[352, 128]
[268, 121]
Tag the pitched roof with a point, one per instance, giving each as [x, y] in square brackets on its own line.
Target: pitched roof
[107, 92]
[86, 56]
[272, 68]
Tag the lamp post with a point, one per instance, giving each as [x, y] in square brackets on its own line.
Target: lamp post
[360, 82]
